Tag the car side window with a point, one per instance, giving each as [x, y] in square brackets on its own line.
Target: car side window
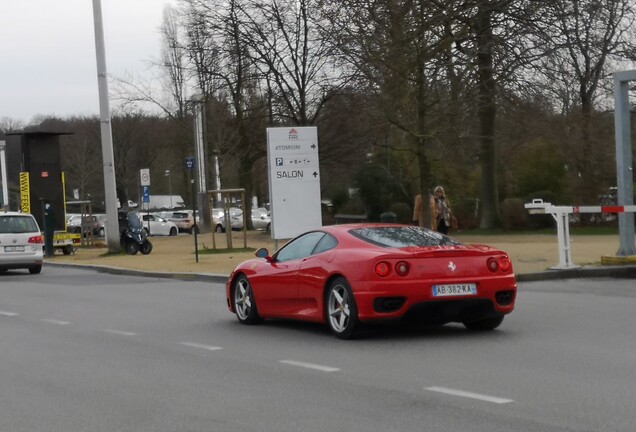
[301, 247]
[326, 243]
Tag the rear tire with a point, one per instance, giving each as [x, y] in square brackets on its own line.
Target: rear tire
[173, 231]
[35, 270]
[341, 310]
[484, 324]
[132, 247]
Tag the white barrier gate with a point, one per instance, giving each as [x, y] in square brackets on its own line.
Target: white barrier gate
[561, 215]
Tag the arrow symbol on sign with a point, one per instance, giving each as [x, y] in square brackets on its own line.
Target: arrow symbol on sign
[315, 174]
[313, 146]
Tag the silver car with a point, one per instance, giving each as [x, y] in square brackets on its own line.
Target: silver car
[21, 243]
[261, 219]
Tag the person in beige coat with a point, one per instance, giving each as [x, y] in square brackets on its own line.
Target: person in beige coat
[439, 208]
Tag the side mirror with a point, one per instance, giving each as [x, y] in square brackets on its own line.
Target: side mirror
[263, 253]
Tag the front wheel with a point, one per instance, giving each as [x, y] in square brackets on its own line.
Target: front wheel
[341, 309]
[173, 231]
[244, 303]
[146, 247]
[484, 324]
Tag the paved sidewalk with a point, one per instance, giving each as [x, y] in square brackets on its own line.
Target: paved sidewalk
[532, 256]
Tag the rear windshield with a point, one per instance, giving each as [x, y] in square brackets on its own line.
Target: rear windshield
[18, 224]
[402, 236]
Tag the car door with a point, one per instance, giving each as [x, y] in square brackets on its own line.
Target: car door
[277, 293]
[312, 273]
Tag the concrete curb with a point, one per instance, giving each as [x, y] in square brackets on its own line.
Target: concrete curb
[186, 277]
[624, 271]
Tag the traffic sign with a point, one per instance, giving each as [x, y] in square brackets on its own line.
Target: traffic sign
[189, 162]
[145, 194]
[144, 175]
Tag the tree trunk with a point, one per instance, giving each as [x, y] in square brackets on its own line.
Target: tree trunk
[487, 112]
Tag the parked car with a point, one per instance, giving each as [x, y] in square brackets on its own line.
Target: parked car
[344, 275]
[218, 219]
[156, 225]
[21, 243]
[183, 219]
[261, 219]
[96, 223]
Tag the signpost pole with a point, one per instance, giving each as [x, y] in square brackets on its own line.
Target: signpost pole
[195, 227]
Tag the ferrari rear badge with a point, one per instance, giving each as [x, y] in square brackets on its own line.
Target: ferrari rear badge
[452, 267]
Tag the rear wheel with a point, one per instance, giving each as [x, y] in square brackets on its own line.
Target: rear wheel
[484, 324]
[244, 303]
[219, 228]
[67, 250]
[341, 309]
[35, 269]
[173, 231]
[132, 247]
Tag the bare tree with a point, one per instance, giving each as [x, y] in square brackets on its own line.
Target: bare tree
[587, 38]
[286, 44]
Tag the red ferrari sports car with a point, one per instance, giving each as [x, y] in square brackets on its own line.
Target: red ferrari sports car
[343, 275]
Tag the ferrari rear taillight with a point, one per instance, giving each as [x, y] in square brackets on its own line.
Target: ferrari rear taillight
[493, 264]
[504, 264]
[499, 263]
[402, 268]
[36, 239]
[382, 269]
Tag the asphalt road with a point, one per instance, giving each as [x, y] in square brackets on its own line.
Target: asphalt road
[87, 351]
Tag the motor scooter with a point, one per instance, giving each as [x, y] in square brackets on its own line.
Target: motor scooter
[133, 237]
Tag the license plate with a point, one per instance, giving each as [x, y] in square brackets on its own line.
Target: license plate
[14, 248]
[454, 290]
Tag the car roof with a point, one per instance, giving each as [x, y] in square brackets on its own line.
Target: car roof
[14, 213]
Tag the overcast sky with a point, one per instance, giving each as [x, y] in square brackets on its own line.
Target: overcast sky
[47, 52]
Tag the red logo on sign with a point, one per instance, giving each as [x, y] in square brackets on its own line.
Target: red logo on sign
[45, 173]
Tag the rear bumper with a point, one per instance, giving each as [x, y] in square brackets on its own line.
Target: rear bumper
[8, 261]
[387, 301]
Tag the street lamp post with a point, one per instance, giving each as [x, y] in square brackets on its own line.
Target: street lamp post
[167, 174]
[198, 105]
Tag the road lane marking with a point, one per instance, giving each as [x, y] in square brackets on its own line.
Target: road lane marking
[119, 332]
[309, 365]
[205, 347]
[470, 395]
[9, 314]
[54, 321]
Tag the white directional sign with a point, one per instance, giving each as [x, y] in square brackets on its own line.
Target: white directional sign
[294, 180]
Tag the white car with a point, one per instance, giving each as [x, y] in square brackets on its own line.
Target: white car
[156, 225]
[218, 219]
[21, 243]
